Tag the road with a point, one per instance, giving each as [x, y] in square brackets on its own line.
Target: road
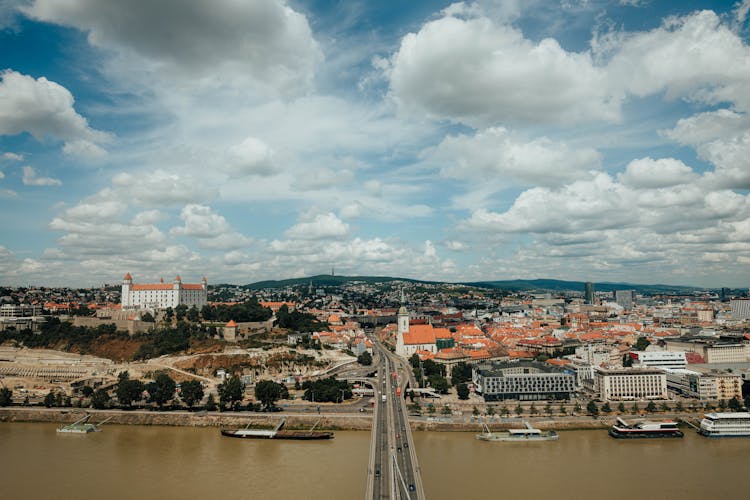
[393, 471]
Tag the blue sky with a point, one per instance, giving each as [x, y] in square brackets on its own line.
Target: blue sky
[261, 139]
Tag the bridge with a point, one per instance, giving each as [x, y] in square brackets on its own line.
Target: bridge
[393, 470]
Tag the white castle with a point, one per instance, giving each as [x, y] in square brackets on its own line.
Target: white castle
[163, 295]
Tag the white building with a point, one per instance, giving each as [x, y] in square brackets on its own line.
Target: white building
[740, 308]
[659, 359]
[630, 384]
[163, 295]
[704, 386]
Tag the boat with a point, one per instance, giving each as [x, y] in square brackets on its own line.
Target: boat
[528, 433]
[665, 429]
[727, 424]
[277, 433]
[81, 426]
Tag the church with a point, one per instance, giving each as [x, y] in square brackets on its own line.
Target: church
[413, 338]
[162, 295]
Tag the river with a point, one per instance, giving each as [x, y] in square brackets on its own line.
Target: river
[142, 462]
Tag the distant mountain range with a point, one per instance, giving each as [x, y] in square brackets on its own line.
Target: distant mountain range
[561, 286]
[540, 285]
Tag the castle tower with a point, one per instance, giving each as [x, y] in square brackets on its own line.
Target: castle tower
[204, 283]
[127, 282]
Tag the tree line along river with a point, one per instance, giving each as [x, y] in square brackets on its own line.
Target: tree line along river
[142, 462]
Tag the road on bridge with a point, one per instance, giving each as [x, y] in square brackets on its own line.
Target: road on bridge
[393, 471]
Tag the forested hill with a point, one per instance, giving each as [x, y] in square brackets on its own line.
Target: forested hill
[326, 280]
[560, 286]
[510, 285]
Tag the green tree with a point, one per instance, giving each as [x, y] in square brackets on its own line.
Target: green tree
[129, 391]
[577, 408]
[6, 397]
[651, 407]
[230, 391]
[415, 408]
[414, 360]
[747, 402]
[365, 359]
[180, 311]
[722, 405]
[562, 410]
[326, 390]
[87, 391]
[49, 399]
[606, 408]
[100, 399]
[504, 411]
[475, 411]
[548, 409]
[446, 410]
[192, 314]
[461, 373]
[664, 407]
[267, 392]
[161, 389]
[519, 410]
[621, 408]
[207, 313]
[734, 404]
[463, 391]
[490, 410]
[678, 407]
[431, 409]
[59, 399]
[641, 344]
[191, 392]
[147, 317]
[634, 410]
[532, 410]
[439, 383]
[592, 409]
[211, 402]
[168, 314]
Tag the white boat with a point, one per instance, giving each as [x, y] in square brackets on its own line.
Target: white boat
[665, 429]
[528, 433]
[728, 424]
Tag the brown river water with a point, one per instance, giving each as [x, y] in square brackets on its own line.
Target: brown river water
[140, 462]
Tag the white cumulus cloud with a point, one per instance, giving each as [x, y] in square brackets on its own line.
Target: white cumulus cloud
[30, 178]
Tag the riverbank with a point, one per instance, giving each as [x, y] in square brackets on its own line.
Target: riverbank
[188, 419]
[330, 421]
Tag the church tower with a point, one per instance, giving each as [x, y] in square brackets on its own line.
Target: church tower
[403, 327]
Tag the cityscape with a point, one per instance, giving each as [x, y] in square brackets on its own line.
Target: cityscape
[387, 355]
[392, 250]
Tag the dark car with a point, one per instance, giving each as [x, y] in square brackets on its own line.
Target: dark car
[412, 487]
[377, 472]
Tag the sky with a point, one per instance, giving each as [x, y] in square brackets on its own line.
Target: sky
[247, 140]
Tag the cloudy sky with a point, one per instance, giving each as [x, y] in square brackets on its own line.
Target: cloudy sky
[263, 139]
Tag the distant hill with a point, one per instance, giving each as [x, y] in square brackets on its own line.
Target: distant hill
[540, 285]
[561, 286]
[325, 280]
